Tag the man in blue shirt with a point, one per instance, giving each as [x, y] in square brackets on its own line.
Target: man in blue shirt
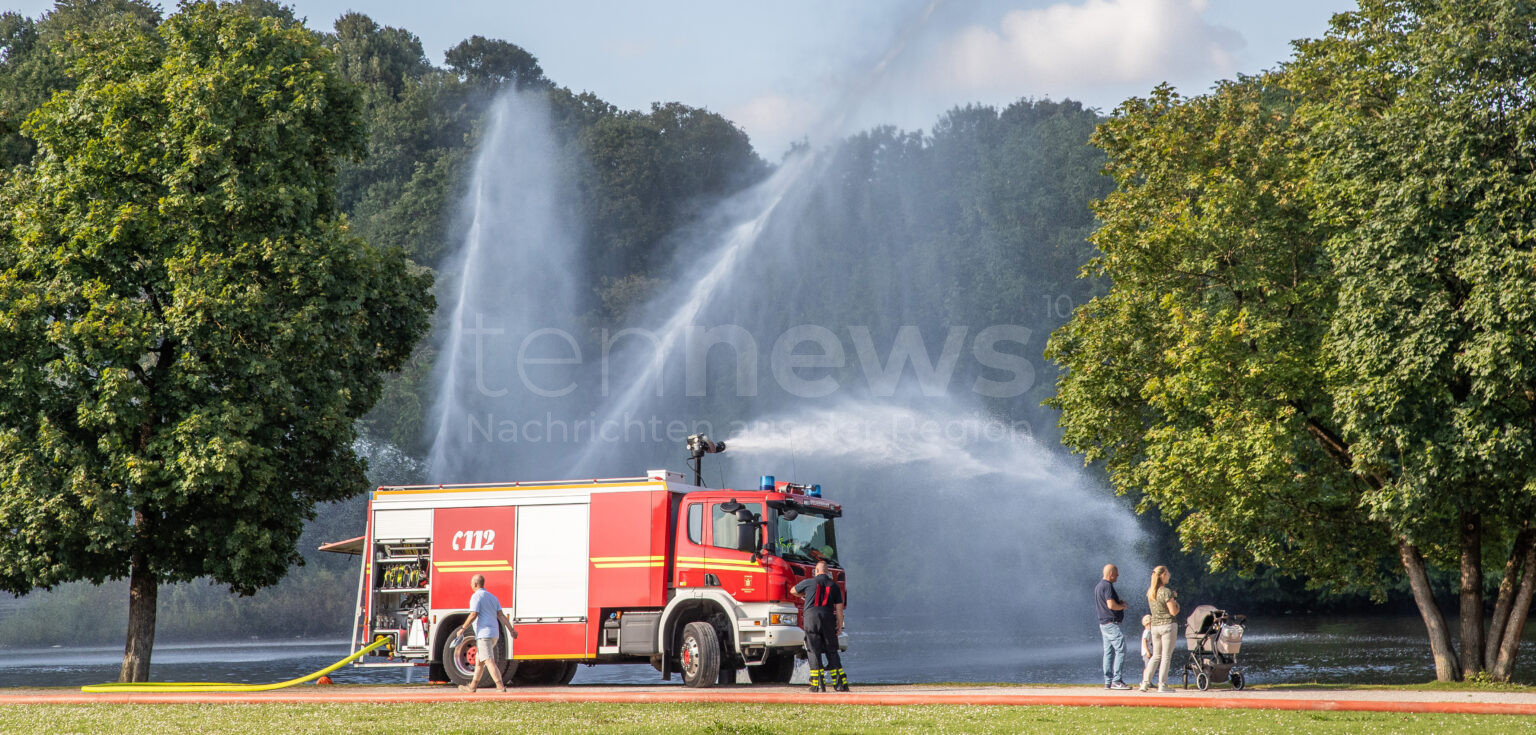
[1111, 611]
[486, 618]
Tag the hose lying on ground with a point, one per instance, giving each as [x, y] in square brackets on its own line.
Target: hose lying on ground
[194, 686]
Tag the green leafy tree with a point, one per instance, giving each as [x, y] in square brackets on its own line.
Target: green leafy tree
[1197, 379]
[384, 57]
[495, 62]
[1320, 323]
[1424, 161]
[35, 59]
[190, 330]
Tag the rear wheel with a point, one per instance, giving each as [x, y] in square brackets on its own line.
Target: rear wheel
[700, 655]
[1203, 681]
[545, 673]
[1237, 682]
[778, 669]
[459, 655]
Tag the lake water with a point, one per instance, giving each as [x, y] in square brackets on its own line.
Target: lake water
[1328, 649]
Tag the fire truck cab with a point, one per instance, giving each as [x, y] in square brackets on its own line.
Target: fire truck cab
[632, 570]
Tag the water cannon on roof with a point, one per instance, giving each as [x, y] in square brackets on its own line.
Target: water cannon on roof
[698, 446]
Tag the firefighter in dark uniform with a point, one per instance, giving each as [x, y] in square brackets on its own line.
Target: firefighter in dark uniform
[823, 619]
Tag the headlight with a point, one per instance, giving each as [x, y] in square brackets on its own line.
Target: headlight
[783, 618]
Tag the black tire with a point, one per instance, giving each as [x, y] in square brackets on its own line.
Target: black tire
[1186, 677]
[699, 655]
[459, 660]
[1203, 681]
[544, 673]
[1237, 682]
[778, 669]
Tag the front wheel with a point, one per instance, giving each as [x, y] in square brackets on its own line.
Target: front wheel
[1203, 681]
[700, 655]
[1237, 682]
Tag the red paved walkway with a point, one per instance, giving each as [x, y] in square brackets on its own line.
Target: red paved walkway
[1389, 700]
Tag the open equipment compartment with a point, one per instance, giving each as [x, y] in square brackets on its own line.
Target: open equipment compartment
[402, 596]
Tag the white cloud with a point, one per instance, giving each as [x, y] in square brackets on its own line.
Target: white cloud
[1085, 43]
[773, 121]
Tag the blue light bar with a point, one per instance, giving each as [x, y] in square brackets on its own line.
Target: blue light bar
[767, 484]
[814, 492]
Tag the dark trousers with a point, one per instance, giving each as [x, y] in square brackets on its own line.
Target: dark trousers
[821, 638]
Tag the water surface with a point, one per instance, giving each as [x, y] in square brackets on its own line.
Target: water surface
[1328, 649]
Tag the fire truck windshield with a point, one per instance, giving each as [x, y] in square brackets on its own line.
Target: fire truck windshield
[809, 537]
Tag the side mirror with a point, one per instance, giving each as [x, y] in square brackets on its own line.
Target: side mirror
[746, 530]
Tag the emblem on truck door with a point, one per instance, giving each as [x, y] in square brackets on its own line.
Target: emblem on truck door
[475, 540]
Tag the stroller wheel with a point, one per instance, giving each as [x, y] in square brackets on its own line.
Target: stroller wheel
[1203, 681]
[1237, 682]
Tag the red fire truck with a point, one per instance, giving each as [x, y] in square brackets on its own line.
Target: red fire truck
[633, 570]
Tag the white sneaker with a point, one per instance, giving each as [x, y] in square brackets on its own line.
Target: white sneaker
[1164, 690]
[1142, 688]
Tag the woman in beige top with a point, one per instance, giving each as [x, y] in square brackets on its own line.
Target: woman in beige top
[1162, 599]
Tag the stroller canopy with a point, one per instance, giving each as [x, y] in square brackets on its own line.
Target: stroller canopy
[1202, 620]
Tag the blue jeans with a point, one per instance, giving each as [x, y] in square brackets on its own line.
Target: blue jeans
[1114, 651]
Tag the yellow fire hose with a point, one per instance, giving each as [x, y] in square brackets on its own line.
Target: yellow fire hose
[194, 686]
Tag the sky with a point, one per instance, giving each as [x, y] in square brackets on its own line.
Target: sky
[788, 70]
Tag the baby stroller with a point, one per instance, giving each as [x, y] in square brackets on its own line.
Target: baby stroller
[1213, 639]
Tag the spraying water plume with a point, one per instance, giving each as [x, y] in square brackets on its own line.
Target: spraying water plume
[950, 513]
[518, 277]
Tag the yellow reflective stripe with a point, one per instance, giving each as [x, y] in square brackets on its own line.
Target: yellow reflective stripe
[471, 563]
[737, 562]
[598, 559]
[501, 568]
[631, 565]
[718, 568]
[553, 655]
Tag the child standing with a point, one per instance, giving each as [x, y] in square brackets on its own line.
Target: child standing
[1146, 639]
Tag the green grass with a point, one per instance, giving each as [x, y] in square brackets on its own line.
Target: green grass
[714, 719]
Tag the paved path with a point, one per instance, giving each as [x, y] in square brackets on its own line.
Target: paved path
[1372, 700]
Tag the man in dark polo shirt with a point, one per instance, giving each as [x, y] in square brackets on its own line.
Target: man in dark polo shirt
[1111, 611]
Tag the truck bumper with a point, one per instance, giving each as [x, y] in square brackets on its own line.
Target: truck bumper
[776, 636]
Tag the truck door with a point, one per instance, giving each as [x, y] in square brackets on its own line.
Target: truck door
[551, 585]
[728, 555]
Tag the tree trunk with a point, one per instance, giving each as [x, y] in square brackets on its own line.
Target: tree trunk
[143, 596]
[1439, 635]
[1509, 645]
[1471, 614]
[1513, 568]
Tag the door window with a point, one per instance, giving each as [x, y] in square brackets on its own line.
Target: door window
[696, 523]
[727, 532]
